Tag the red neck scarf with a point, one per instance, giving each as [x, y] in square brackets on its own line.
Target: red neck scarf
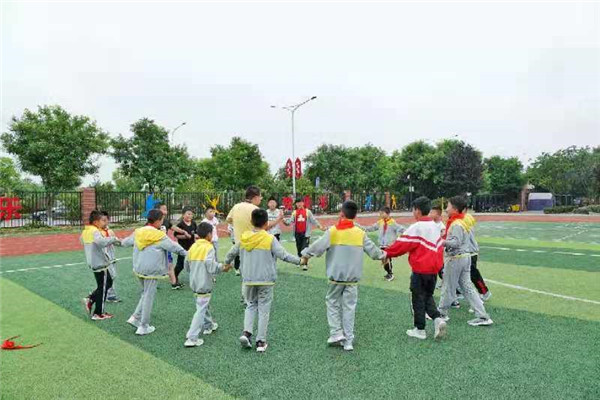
[385, 224]
[452, 219]
[344, 223]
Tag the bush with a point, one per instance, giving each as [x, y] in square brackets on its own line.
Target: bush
[559, 210]
[581, 210]
[594, 209]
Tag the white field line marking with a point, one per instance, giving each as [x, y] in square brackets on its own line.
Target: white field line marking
[573, 234]
[52, 266]
[542, 292]
[540, 251]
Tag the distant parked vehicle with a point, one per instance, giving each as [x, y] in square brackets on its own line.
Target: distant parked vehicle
[56, 212]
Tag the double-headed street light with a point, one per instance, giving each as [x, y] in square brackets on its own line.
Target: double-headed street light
[292, 109]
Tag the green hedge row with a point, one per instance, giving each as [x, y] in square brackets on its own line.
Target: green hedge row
[572, 209]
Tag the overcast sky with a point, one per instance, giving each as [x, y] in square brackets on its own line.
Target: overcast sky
[510, 78]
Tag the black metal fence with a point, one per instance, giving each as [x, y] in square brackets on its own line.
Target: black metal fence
[20, 209]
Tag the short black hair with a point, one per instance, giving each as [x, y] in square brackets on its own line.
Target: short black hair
[204, 229]
[186, 209]
[386, 210]
[436, 207]
[252, 192]
[423, 204]
[157, 206]
[349, 209]
[458, 202]
[259, 218]
[209, 208]
[95, 216]
[105, 213]
[155, 215]
[273, 199]
[299, 200]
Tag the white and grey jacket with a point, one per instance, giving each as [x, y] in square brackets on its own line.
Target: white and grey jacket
[150, 247]
[258, 253]
[94, 246]
[202, 266]
[386, 235]
[344, 259]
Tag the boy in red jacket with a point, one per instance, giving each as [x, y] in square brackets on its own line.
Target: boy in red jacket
[424, 244]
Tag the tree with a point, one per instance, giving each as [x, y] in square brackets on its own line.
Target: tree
[10, 178]
[573, 170]
[460, 168]
[237, 166]
[373, 169]
[504, 175]
[200, 179]
[333, 165]
[148, 157]
[124, 183]
[420, 161]
[58, 147]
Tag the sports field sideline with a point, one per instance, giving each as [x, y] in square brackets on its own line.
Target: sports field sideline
[545, 343]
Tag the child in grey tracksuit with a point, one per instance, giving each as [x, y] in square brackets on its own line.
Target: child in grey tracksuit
[388, 231]
[344, 244]
[201, 262]
[94, 246]
[457, 268]
[150, 247]
[258, 251]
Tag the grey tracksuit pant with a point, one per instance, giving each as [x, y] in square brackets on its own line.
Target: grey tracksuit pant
[457, 274]
[202, 318]
[258, 300]
[341, 307]
[112, 269]
[144, 307]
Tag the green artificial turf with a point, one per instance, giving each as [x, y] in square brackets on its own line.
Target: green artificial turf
[540, 346]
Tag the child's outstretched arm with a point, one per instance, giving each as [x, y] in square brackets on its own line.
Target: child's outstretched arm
[319, 247]
[313, 220]
[401, 246]
[279, 252]
[370, 228]
[372, 249]
[128, 241]
[212, 266]
[232, 253]
[168, 245]
[104, 241]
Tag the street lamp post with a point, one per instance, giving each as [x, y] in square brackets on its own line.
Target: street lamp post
[173, 131]
[292, 109]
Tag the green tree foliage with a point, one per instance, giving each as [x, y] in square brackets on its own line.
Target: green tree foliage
[200, 179]
[58, 147]
[148, 157]
[574, 170]
[420, 161]
[124, 183]
[237, 166]
[356, 168]
[504, 175]
[460, 168]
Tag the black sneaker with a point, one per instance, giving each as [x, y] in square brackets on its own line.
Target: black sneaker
[177, 286]
[389, 277]
[246, 340]
[456, 304]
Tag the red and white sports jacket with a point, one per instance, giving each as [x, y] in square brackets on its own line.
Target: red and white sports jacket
[425, 245]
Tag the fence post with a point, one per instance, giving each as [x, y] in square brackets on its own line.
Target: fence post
[388, 201]
[88, 203]
[347, 195]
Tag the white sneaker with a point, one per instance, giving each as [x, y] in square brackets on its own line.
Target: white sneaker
[348, 346]
[471, 310]
[245, 342]
[193, 343]
[133, 321]
[336, 340]
[261, 347]
[237, 272]
[417, 333]
[212, 329]
[444, 317]
[480, 322]
[427, 317]
[486, 296]
[145, 331]
[440, 328]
